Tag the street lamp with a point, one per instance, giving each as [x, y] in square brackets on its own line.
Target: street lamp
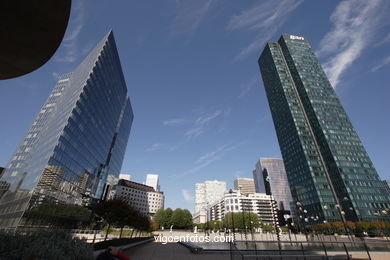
[302, 219]
[275, 217]
[234, 234]
[243, 213]
[208, 211]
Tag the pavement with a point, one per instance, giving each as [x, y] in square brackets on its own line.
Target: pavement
[174, 251]
[156, 250]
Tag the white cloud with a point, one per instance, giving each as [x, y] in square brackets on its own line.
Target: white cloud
[246, 87]
[56, 75]
[209, 158]
[238, 174]
[187, 196]
[384, 41]
[199, 125]
[189, 15]
[381, 64]
[207, 118]
[263, 18]
[355, 25]
[76, 24]
[155, 147]
[174, 121]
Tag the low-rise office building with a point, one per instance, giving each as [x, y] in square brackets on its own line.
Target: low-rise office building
[234, 201]
[142, 197]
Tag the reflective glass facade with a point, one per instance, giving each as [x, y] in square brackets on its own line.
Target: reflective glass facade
[273, 177]
[326, 163]
[74, 150]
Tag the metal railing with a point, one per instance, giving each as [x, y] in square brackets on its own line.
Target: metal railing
[303, 249]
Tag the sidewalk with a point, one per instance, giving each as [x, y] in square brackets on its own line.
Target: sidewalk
[175, 251]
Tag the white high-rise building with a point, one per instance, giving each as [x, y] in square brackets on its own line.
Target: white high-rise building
[125, 176]
[208, 192]
[152, 181]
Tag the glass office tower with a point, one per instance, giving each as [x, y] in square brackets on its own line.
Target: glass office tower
[329, 171]
[272, 180]
[74, 150]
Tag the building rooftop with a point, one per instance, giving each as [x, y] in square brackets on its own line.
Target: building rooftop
[135, 185]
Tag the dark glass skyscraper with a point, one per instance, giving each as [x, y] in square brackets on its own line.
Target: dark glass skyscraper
[330, 173]
[74, 150]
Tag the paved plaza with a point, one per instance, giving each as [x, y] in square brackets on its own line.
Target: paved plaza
[157, 250]
[174, 251]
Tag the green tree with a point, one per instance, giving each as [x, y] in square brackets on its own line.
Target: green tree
[58, 215]
[177, 218]
[48, 244]
[161, 217]
[116, 212]
[242, 220]
[168, 213]
[181, 219]
[268, 228]
[187, 219]
[351, 226]
[362, 226]
[284, 229]
[214, 225]
[337, 227]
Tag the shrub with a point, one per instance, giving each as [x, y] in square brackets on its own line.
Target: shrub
[44, 245]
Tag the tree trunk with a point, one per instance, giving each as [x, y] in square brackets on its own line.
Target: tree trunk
[108, 228]
[120, 234]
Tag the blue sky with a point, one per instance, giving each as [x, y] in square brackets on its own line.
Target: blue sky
[191, 69]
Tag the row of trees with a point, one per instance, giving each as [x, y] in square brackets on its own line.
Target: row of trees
[182, 219]
[111, 213]
[354, 227]
[118, 213]
[179, 218]
[58, 215]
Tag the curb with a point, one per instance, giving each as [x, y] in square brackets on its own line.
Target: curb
[194, 248]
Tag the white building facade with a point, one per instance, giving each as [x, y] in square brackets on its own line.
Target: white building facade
[152, 180]
[233, 201]
[200, 217]
[142, 197]
[208, 192]
[125, 176]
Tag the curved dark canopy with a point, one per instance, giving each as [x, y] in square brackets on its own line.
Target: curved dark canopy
[30, 33]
